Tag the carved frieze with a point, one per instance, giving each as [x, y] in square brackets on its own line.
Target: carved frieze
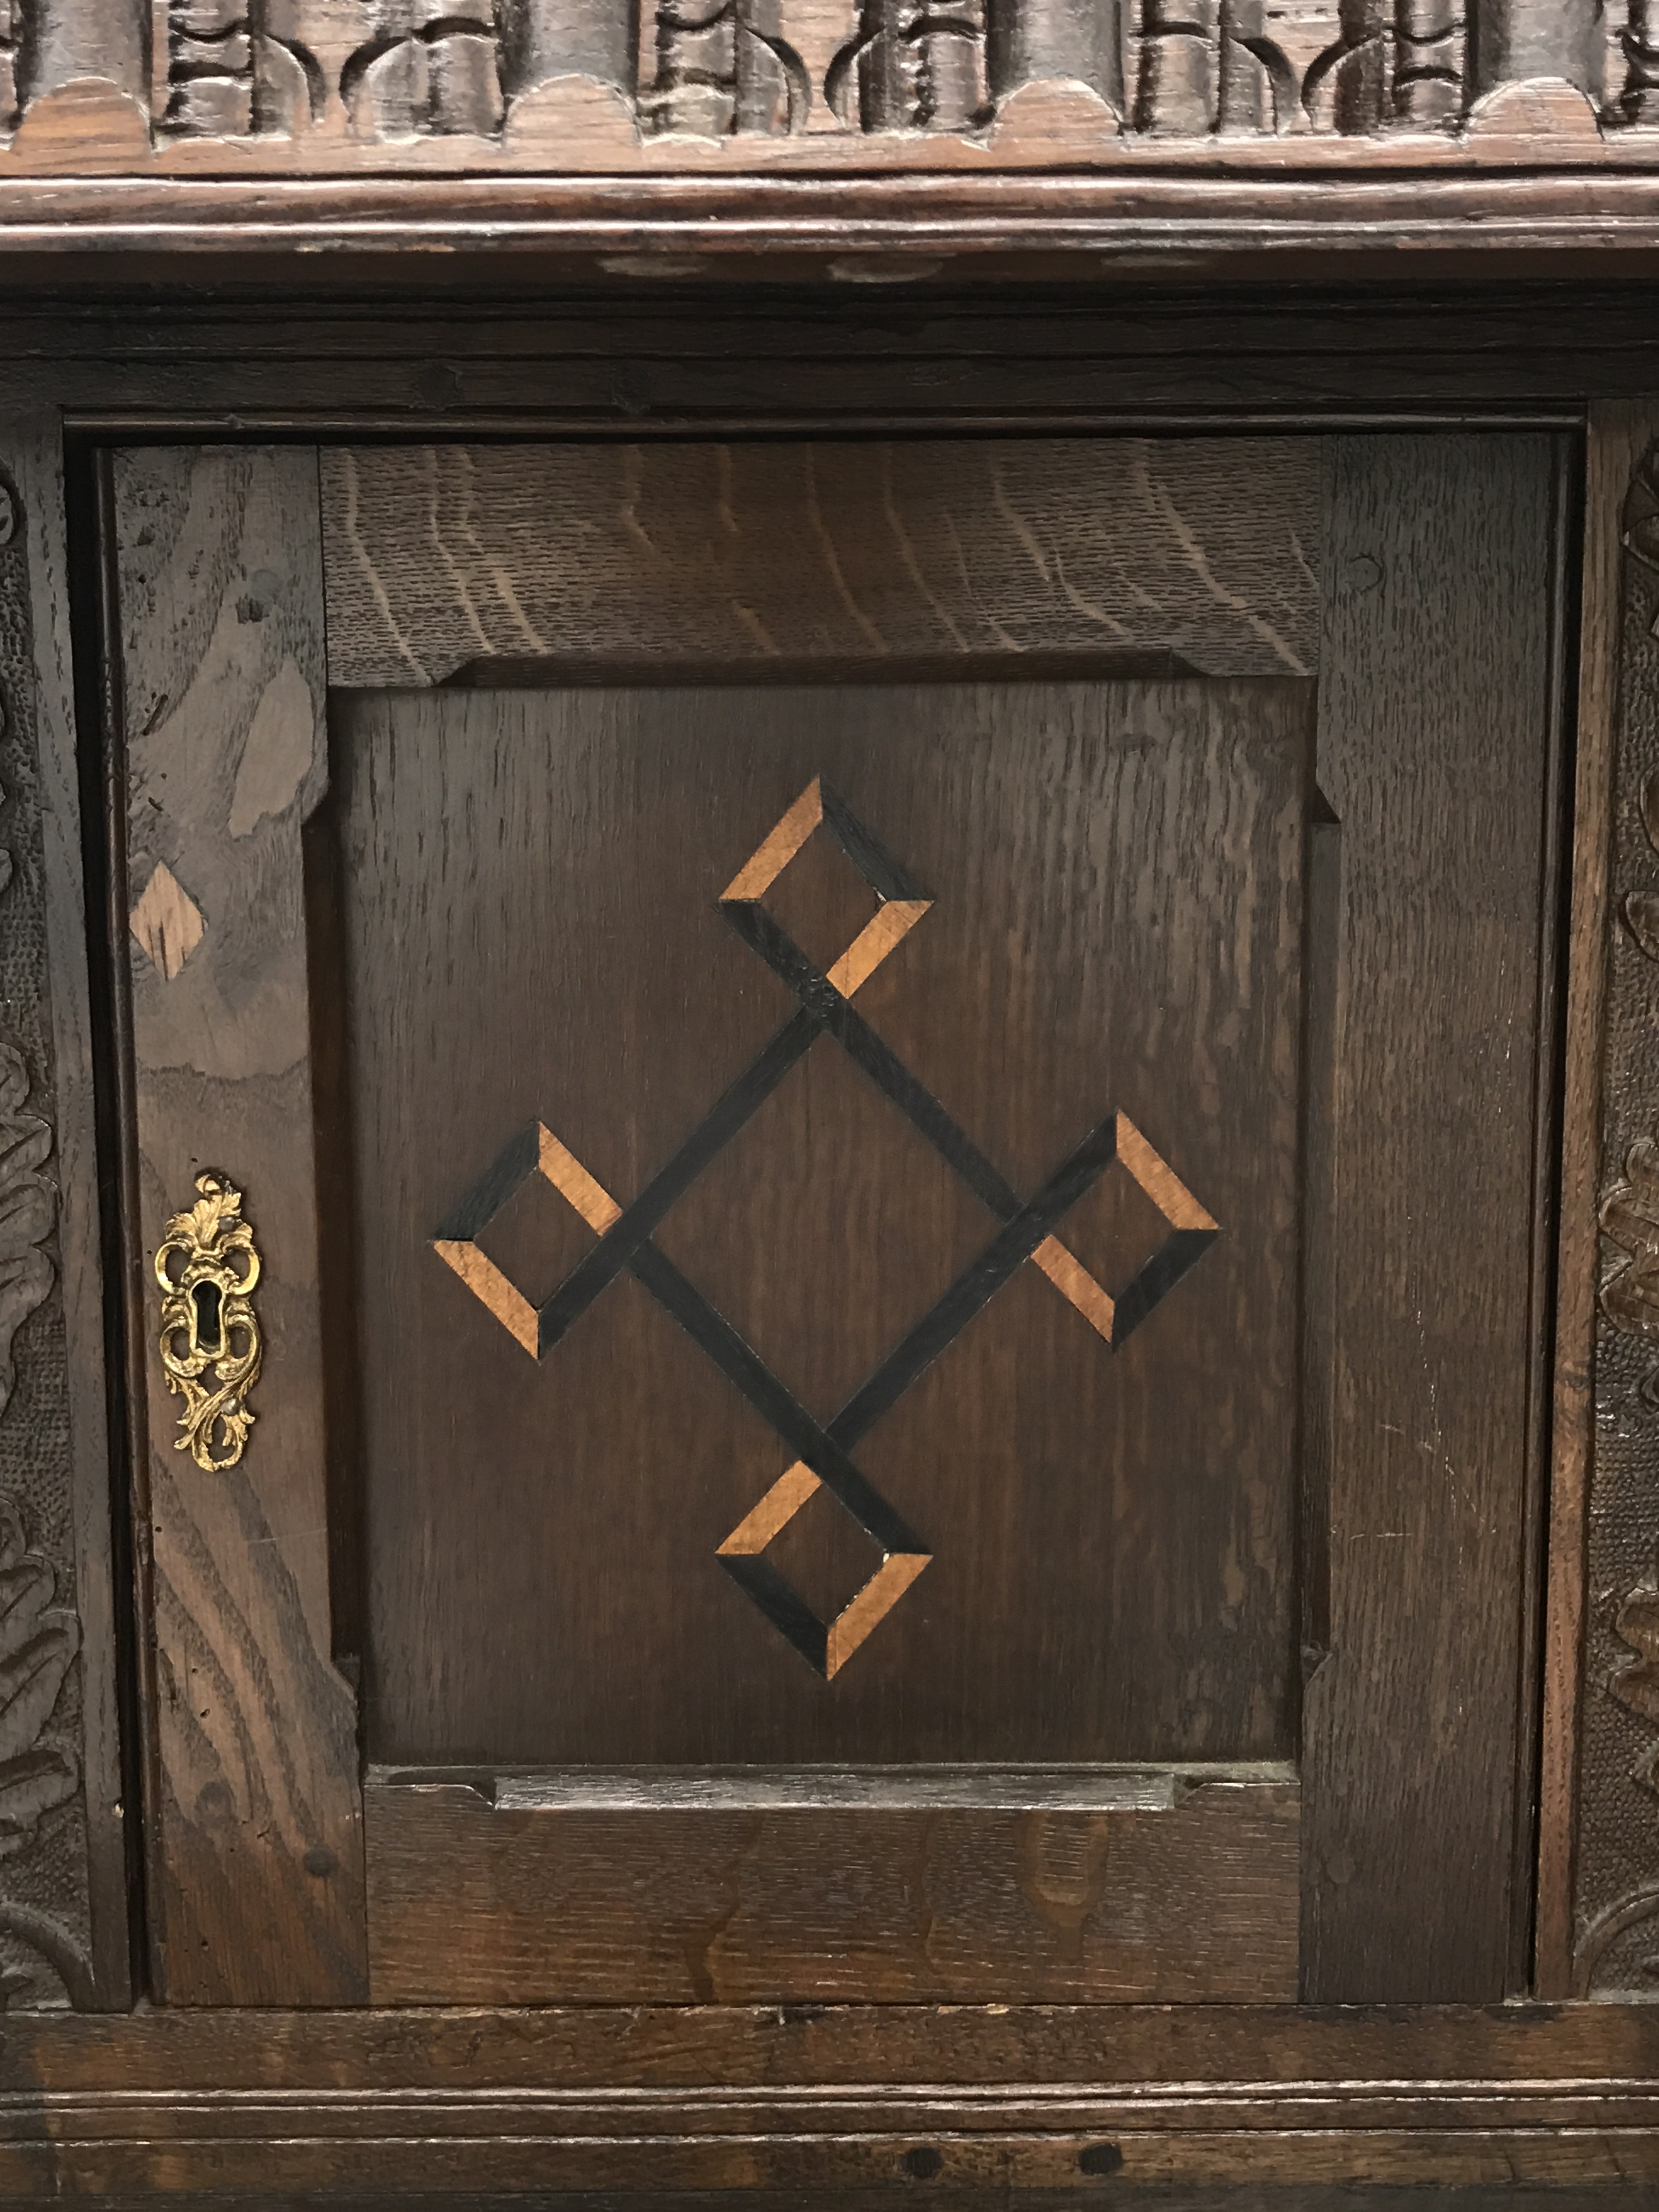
[45, 1919]
[582, 84]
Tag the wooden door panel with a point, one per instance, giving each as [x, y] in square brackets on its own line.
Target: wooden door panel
[1105, 1521]
[901, 1263]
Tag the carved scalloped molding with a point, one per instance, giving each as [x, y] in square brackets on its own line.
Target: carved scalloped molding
[572, 86]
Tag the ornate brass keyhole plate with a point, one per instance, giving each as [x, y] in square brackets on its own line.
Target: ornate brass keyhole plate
[207, 1267]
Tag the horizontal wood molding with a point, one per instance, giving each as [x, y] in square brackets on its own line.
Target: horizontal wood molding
[877, 231]
[1136, 556]
[829, 2098]
[638, 362]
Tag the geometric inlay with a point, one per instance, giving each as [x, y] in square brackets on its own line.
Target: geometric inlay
[167, 922]
[821, 1451]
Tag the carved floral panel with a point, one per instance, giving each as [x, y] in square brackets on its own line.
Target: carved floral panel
[45, 1922]
[1616, 1917]
[590, 84]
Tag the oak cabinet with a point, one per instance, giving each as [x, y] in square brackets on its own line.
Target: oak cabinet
[828, 1258]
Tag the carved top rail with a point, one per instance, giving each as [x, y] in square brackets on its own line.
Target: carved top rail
[312, 87]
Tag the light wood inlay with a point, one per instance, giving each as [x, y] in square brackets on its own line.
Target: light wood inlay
[1072, 1279]
[1160, 1182]
[166, 922]
[774, 1512]
[871, 1608]
[487, 1283]
[573, 1183]
[761, 869]
[884, 930]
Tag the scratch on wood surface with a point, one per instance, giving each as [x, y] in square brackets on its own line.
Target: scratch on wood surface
[723, 496]
[632, 485]
[756, 628]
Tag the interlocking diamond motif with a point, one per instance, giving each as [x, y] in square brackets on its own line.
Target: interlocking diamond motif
[623, 1235]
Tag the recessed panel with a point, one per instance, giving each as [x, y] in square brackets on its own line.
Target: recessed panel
[824, 1166]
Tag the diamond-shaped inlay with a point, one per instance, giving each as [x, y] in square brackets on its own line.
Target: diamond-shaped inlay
[827, 1645]
[166, 922]
[625, 1237]
[903, 900]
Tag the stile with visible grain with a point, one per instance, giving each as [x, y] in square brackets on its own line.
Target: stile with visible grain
[255, 1813]
[1433, 755]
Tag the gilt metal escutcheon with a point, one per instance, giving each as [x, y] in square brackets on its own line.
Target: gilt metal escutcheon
[207, 1267]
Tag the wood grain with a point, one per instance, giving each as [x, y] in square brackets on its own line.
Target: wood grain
[469, 1903]
[541, 561]
[259, 1840]
[534, 936]
[782, 2106]
[632, 359]
[1435, 718]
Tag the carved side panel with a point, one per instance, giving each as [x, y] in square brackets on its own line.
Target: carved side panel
[45, 1909]
[1616, 1910]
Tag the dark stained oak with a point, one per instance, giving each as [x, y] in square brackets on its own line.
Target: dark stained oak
[1412, 2093]
[478, 561]
[1435, 716]
[533, 933]
[820, 2104]
[255, 1823]
[812, 86]
[471, 1902]
[1619, 437]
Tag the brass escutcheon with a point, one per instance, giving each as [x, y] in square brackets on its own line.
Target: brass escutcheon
[206, 1266]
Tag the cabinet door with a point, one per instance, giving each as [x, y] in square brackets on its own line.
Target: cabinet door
[888, 1099]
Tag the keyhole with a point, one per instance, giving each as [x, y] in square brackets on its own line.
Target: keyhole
[207, 1299]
